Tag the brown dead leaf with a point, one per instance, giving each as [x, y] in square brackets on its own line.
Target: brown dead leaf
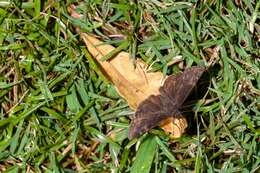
[133, 83]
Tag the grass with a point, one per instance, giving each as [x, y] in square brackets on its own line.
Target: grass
[59, 114]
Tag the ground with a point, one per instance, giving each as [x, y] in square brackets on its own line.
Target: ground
[59, 114]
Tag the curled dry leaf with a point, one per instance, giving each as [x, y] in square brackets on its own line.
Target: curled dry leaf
[132, 82]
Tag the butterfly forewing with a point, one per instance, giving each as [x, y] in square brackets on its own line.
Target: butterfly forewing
[173, 93]
[178, 87]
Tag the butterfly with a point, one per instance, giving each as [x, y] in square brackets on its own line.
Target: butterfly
[156, 108]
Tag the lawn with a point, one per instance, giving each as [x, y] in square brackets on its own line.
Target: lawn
[59, 113]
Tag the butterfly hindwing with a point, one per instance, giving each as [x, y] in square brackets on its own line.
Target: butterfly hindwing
[149, 113]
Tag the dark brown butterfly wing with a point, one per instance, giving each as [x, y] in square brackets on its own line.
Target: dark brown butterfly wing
[178, 87]
[149, 113]
[173, 93]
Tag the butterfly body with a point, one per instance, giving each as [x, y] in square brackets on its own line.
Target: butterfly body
[157, 108]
